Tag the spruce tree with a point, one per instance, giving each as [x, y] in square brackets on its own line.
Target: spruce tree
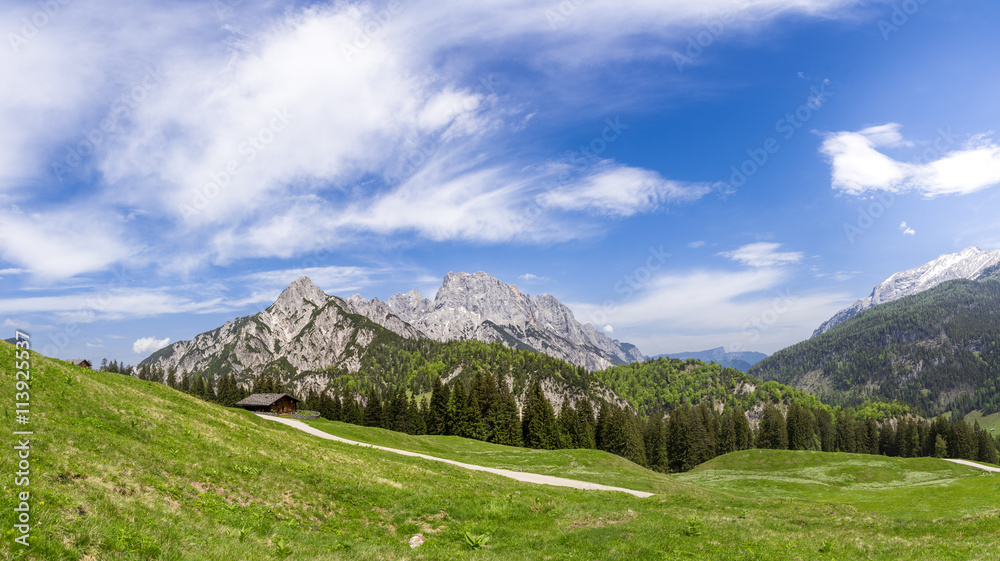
[773, 433]
[437, 421]
[726, 442]
[568, 428]
[508, 431]
[456, 409]
[538, 427]
[586, 424]
[656, 444]
[678, 445]
[373, 409]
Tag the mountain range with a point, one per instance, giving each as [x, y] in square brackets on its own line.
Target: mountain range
[937, 350]
[307, 339]
[741, 360]
[969, 263]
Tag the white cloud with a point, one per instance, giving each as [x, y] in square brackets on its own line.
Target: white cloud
[267, 285]
[619, 190]
[333, 170]
[907, 231]
[762, 254]
[745, 310]
[696, 245]
[62, 243]
[149, 344]
[609, 330]
[858, 166]
[528, 277]
[87, 307]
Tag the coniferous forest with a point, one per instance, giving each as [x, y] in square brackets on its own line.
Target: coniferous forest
[687, 413]
[937, 351]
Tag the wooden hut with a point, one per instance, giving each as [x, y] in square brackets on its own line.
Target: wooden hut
[270, 402]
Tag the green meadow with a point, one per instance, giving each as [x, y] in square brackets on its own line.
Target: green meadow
[126, 469]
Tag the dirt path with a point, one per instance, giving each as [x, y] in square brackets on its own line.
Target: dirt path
[520, 476]
[975, 465]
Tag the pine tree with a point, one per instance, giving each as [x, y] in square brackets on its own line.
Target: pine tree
[373, 409]
[171, 374]
[678, 445]
[457, 413]
[656, 443]
[773, 432]
[586, 424]
[827, 432]
[416, 422]
[538, 427]
[727, 433]
[568, 425]
[744, 436]
[508, 431]
[438, 417]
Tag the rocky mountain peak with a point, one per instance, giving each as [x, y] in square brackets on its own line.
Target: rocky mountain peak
[293, 298]
[969, 263]
[482, 307]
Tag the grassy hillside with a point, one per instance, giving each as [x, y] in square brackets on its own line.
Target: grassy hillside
[936, 351]
[907, 489]
[126, 469]
[587, 465]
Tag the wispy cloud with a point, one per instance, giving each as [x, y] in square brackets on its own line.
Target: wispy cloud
[149, 344]
[528, 277]
[706, 308]
[762, 254]
[859, 165]
[907, 231]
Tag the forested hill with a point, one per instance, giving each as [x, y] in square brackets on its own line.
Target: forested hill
[936, 351]
[658, 386]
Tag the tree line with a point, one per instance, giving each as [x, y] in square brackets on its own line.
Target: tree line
[486, 409]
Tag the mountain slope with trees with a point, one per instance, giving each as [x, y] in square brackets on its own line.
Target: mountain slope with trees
[936, 351]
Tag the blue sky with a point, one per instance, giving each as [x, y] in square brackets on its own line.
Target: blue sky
[683, 175]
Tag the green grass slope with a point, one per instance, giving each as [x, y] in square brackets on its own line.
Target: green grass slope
[126, 469]
[586, 465]
[908, 489]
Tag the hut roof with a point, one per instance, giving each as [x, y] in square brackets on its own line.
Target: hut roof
[265, 399]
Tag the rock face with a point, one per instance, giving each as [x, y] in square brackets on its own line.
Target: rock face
[307, 331]
[480, 307]
[304, 327]
[969, 263]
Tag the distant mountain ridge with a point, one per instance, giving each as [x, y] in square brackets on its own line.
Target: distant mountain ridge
[741, 360]
[970, 263]
[477, 306]
[937, 350]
